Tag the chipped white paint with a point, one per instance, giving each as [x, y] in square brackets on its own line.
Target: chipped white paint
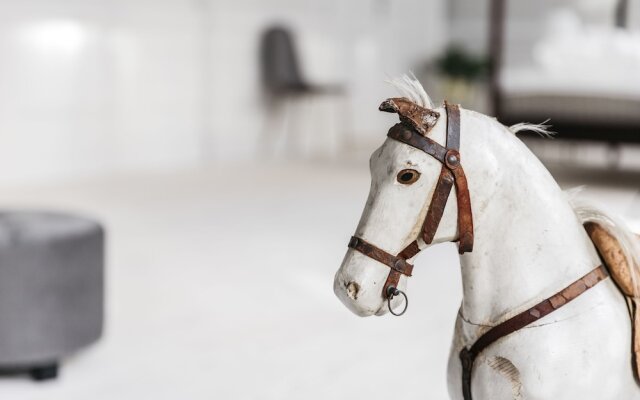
[529, 244]
[510, 372]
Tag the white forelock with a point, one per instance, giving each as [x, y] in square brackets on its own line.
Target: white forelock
[408, 86]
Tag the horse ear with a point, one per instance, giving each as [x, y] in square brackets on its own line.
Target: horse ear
[420, 118]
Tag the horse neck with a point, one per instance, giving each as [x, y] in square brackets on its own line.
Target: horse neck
[529, 244]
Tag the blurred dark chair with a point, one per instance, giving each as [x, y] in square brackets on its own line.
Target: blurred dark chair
[285, 87]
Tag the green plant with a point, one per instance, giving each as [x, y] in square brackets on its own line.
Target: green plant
[457, 63]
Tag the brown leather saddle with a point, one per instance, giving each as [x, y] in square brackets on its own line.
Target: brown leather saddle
[614, 259]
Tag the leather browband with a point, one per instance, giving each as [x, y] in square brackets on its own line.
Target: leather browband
[405, 134]
[527, 317]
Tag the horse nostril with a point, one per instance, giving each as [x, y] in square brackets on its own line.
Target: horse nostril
[352, 290]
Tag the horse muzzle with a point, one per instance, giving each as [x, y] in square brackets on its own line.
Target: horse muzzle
[359, 284]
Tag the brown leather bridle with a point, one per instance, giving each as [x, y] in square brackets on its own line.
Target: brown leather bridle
[415, 123]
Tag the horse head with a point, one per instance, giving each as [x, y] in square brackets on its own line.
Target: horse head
[412, 176]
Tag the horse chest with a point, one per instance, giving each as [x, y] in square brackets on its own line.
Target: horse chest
[563, 355]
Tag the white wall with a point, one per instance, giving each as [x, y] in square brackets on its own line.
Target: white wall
[91, 87]
[55, 84]
[357, 42]
[156, 52]
[94, 87]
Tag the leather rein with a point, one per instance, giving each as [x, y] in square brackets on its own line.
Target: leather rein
[416, 122]
[450, 174]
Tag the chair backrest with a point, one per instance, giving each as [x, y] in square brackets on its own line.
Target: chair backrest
[279, 63]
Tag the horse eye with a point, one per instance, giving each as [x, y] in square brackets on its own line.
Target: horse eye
[408, 176]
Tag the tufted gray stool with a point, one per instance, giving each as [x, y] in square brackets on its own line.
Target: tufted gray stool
[51, 289]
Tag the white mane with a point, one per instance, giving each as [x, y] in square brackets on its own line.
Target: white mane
[541, 129]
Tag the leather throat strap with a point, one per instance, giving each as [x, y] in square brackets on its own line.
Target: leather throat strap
[525, 318]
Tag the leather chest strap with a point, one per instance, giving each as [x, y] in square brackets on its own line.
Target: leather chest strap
[527, 317]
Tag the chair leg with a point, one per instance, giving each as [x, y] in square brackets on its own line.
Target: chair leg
[294, 108]
[44, 372]
[273, 127]
[346, 124]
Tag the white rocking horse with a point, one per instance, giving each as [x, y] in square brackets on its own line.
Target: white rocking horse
[539, 317]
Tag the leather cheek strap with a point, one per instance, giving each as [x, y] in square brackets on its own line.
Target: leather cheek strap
[448, 177]
[465, 216]
[438, 203]
[451, 174]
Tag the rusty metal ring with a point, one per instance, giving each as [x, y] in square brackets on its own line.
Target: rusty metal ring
[391, 293]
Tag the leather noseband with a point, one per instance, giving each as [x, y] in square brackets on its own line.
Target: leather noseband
[451, 174]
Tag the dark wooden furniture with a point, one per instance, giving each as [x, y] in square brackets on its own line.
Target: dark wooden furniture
[572, 116]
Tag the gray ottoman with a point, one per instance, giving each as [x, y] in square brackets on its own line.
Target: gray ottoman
[51, 289]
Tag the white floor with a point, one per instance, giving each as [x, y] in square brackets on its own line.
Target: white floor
[220, 287]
